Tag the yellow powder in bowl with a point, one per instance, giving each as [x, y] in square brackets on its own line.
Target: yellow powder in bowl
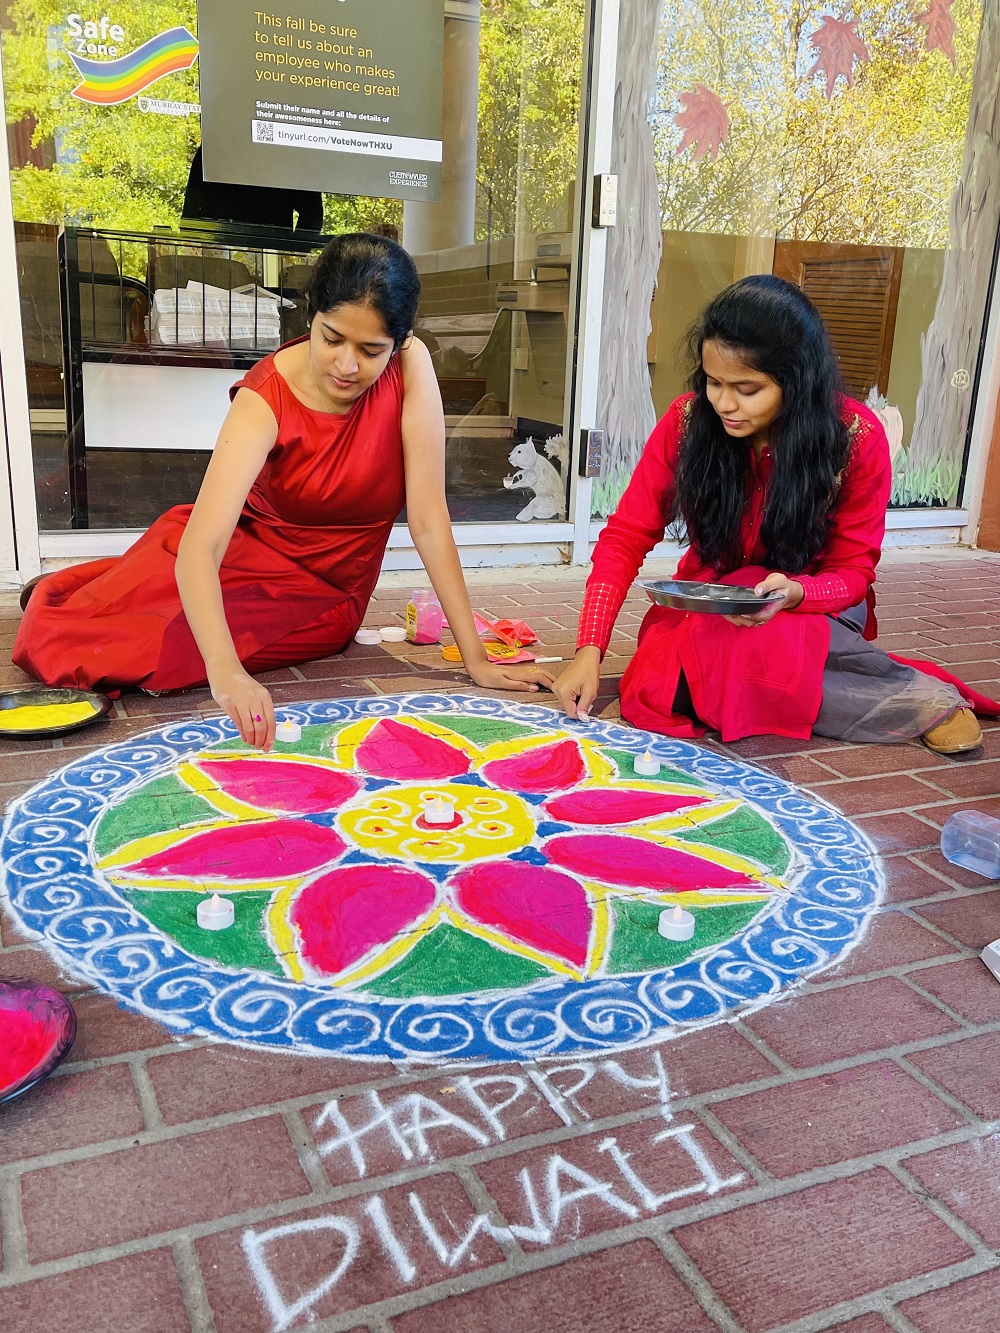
[35, 717]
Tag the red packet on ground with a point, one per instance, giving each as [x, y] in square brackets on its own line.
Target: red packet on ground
[512, 632]
[519, 629]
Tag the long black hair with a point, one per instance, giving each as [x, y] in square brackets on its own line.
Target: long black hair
[362, 269]
[771, 325]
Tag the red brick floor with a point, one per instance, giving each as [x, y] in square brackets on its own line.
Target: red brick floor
[830, 1162]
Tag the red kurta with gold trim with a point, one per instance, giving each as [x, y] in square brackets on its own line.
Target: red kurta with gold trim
[742, 682]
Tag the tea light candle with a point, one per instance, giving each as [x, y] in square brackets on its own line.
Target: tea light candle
[645, 765]
[216, 913]
[287, 730]
[675, 923]
[438, 810]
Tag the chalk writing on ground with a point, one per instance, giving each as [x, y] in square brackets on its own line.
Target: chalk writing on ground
[429, 1230]
[434, 877]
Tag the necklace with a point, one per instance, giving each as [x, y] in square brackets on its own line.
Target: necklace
[328, 405]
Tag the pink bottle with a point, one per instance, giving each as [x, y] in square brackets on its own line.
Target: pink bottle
[424, 617]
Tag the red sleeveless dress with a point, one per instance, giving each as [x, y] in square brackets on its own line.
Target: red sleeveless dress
[297, 575]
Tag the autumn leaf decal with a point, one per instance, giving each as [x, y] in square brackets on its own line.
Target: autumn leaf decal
[838, 45]
[704, 120]
[940, 25]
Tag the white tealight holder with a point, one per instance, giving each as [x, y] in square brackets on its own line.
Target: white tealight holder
[675, 923]
[287, 731]
[216, 913]
[645, 765]
[437, 809]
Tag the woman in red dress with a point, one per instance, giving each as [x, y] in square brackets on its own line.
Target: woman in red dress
[781, 483]
[274, 564]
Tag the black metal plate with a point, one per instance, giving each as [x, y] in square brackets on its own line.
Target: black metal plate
[37, 696]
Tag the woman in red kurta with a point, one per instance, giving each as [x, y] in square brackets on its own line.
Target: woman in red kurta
[781, 483]
[275, 563]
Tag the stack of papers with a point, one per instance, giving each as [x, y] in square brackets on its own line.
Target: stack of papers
[199, 315]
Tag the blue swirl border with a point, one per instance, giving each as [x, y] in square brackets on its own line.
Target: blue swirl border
[55, 892]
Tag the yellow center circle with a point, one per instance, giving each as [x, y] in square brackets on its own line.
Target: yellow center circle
[392, 822]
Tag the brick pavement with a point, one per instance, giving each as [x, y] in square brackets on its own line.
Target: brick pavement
[829, 1162]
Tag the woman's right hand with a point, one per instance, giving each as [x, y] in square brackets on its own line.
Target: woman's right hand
[247, 704]
[576, 689]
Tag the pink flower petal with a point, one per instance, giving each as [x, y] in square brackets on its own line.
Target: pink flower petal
[282, 784]
[617, 805]
[392, 750]
[268, 850]
[539, 907]
[344, 914]
[636, 863]
[542, 769]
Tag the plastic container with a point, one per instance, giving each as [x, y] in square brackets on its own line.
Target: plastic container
[972, 840]
[424, 617]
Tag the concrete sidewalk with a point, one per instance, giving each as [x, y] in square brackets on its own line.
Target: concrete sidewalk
[829, 1162]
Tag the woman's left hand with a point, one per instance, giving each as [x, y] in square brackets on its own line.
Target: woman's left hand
[793, 593]
[494, 676]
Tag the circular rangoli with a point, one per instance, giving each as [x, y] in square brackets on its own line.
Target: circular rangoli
[434, 877]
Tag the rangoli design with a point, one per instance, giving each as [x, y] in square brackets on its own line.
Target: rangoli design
[434, 877]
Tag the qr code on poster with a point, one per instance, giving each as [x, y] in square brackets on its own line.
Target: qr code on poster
[263, 131]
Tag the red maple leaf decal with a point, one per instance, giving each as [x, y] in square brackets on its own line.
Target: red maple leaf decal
[940, 25]
[838, 46]
[704, 120]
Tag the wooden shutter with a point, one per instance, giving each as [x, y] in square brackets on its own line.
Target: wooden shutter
[856, 290]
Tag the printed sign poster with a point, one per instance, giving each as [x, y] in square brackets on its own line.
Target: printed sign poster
[342, 97]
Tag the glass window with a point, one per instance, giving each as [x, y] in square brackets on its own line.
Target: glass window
[845, 151]
[128, 371]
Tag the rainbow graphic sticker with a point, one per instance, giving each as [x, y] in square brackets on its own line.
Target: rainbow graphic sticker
[107, 82]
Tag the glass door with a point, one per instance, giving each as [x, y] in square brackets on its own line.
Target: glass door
[125, 402]
[849, 152]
